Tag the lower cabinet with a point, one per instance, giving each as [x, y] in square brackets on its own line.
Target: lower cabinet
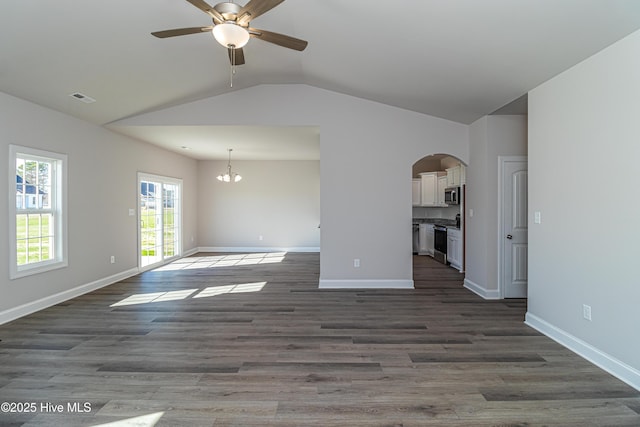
[425, 237]
[454, 247]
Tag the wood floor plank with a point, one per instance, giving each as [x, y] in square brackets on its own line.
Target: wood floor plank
[179, 342]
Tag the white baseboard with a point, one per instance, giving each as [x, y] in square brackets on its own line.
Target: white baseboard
[190, 252]
[599, 358]
[257, 249]
[479, 290]
[31, 307]
[366, 284]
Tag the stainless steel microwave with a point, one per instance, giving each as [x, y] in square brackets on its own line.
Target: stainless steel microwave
[452, 195]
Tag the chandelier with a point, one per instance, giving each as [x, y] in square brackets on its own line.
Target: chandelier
[229, 176]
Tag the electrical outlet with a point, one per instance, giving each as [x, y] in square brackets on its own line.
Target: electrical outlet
[586, 311]
[356, 262]
[260, 237]
[113, 259]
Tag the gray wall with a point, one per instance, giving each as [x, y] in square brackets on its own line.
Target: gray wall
[580, 253]
[278, 200]
[489, 138]
[102, 187]
[366, 151]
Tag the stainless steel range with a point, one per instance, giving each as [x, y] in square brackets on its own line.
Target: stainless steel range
[440, 243]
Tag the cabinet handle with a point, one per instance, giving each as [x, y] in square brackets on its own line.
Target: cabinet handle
[509, 236]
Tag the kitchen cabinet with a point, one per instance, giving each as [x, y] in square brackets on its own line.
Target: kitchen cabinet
[454, 247]
[422, 239]
[425, 236]
[442, 184]
[429, 188]
[430, 239]
[416, 190]
[456, 176]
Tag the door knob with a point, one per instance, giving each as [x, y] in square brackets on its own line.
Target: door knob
[509, 236]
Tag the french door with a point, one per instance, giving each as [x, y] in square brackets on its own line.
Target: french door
[160, 214]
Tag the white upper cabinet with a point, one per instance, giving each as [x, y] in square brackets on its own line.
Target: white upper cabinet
[416, 192]
[442, 184]
[430, 190]
[456, 176]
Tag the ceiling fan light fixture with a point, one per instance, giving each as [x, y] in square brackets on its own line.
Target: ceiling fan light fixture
[229, 34]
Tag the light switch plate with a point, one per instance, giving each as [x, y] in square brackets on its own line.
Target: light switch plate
[537, 218]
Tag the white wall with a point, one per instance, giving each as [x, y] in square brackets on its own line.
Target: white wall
[366, 153]
[102, 170]
[489, 138]
[278, 200]
[581, 253]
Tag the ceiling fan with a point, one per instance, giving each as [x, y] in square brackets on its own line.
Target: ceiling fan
[231, 27]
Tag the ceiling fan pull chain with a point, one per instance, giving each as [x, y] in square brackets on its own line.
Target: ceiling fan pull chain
[233, 65]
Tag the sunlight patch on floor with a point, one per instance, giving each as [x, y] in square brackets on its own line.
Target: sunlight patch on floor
[216, 261]
[231, 289]
[141, 421]
[210, 291]
[154, 297]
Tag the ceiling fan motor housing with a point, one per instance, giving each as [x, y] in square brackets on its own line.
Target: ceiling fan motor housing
[229, 11]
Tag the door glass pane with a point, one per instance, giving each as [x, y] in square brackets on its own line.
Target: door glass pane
[169, 203]
[159, 222]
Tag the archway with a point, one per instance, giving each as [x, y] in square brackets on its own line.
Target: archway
[438, 195]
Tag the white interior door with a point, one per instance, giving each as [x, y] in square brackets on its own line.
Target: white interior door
[513, 228]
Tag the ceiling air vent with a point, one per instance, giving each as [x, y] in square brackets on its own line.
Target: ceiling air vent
[82, 97]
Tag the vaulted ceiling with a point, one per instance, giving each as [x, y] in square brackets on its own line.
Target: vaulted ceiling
[454, 59]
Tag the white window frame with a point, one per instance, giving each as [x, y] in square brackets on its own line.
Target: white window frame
[58, 200]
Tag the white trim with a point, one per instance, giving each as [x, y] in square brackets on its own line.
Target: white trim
[167, 261]
[144, 176]
[58, 209]
[32, 307]
[615, 367]
[501, 165]
[479, 290]
[366, 284]
[257, 249]
[190, 252]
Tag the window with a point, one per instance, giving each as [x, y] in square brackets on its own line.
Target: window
[37, 213]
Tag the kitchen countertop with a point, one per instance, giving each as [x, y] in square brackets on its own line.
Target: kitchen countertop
[449, 223]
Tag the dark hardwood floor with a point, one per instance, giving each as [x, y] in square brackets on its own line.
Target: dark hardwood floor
[249, 340]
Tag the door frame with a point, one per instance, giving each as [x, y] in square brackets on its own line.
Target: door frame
[141, 176]
[502, 161]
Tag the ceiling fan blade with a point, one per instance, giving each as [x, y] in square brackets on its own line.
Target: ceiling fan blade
[239, 56]
[206, 8]
[255, 8]
[279, 39]
[181, 32]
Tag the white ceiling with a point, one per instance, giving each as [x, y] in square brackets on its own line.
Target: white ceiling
[247, 142]
[455, 59]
